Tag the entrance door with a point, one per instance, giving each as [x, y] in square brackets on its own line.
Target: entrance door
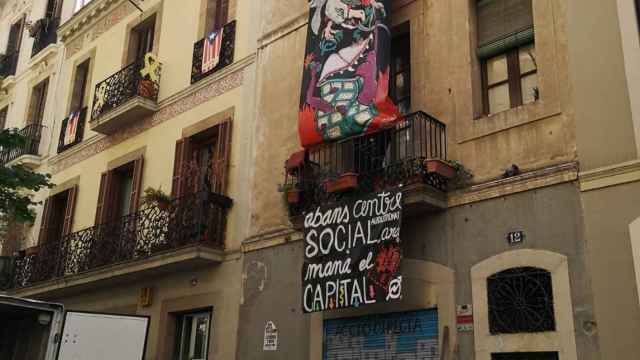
[407, 335]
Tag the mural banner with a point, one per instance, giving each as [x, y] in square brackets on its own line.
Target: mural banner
[352, 253]
[346, 71]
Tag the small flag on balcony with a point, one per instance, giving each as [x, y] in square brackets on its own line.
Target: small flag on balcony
[72, 128]
[211, 50]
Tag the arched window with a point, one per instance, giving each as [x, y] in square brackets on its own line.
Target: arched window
[520, 301]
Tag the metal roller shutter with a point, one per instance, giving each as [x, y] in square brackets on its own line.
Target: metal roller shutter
[407, 336]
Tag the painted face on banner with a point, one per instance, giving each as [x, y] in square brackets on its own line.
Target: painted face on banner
[346, 71]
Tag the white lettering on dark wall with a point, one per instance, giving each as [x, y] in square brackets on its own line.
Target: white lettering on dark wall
[352, 253]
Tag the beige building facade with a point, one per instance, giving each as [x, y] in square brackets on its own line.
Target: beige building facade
[172, 173]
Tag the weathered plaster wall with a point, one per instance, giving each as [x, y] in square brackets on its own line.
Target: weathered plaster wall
[608, 213]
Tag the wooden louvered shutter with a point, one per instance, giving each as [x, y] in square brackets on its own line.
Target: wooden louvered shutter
[500, 18]
[503, 25]
[103, 197]
[222, 13]
[69, 211]
[220, 161]
[179, 164]
[46, 221]
[137, 184]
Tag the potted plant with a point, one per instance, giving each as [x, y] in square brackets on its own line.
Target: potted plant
[33, 250]
[156, 197]
[440, 167]
[344, 182]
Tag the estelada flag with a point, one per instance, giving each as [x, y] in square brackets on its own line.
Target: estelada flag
[345, 86]
[72, 128]
[211, 50]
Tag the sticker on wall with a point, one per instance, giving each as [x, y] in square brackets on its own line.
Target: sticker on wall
[270, 337]
[464, 318]
[345, 85]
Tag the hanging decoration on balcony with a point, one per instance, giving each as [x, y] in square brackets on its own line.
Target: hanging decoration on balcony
[211, 50]
[346, 71]
[352, 253]
[70, 131]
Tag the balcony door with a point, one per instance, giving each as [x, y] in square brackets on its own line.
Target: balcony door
[57, 216]
[141, 39]
[202, 161]
[119, 193]
[37, 103]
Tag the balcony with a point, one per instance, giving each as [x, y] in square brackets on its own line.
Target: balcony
[226, 53]
[412, 154]
[9, 64]
[184, 234]
[45, 33]
[126, 96]
[27, 153]
[70, 137]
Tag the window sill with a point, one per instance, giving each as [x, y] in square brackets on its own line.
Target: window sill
[486, 125]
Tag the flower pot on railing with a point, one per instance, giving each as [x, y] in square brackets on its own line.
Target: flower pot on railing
[344, 182]
[34, 250]
[441, 168]
[294, 196]
[147, 89]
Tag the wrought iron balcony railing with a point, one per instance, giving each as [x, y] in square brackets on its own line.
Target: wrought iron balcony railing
[72, 132]
[45, 34]
[140, 78]
[32, 135]
[368, 163]
[196, 219]
[226, 53]
[9, 63]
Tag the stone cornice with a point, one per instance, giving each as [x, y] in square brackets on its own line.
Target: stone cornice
[607, 176]
[543, 177]
[84, 18]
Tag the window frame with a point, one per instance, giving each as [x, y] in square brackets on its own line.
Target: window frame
[401, 33]
[514, 78]
[179, 340]
[38, 102]
[82, 93]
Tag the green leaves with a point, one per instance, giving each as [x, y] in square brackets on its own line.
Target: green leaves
[18, 183]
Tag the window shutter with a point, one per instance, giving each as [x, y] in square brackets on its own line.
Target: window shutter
[222, 13]
[103, 197]
[46, 220]
[503, 24]
[15, 37]
[69, 211]
[137, 183]
[179, 163]
[221, 159]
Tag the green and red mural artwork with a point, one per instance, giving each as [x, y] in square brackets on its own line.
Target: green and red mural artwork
[346, 71]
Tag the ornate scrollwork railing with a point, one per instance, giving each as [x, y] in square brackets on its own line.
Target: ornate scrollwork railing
[141, 78]
[32, 134]
[9, 63]
[196, 219]
[226, 53]
[45, 34]
[386, 158]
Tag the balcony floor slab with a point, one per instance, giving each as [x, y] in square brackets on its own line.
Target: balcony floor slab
[187, 258]
[115, 119]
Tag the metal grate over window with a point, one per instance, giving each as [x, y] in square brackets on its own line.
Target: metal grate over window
[520, 301]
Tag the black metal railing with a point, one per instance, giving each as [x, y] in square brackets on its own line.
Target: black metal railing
[196, 219]
[45, 34]
[68, 137]
[9, 63]
[32, 135]
[390, 157]
[226, 53]
[140, 78]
